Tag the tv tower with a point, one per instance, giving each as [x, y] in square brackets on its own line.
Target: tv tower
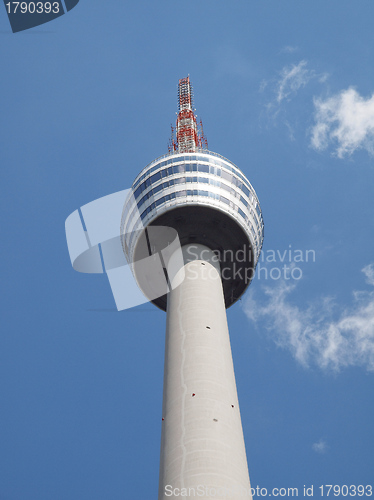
[214, 209]
[190, 232]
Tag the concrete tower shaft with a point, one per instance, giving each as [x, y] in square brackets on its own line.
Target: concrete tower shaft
[202, 444]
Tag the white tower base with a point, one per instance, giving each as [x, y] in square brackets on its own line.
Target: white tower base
[202, 445]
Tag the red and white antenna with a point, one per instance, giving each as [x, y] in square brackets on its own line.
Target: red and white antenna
[188, 137]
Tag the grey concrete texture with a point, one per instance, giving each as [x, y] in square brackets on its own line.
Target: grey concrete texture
[202, 443]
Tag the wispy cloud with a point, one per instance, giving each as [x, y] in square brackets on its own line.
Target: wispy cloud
[320, 446]
[345, 120]
[281, 90]
[369, 273]
[312, 334]
[289, 49]
[292, 78]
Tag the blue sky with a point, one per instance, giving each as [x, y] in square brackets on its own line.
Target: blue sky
[285, 91]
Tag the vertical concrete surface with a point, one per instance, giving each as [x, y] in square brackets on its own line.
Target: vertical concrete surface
[202, 445]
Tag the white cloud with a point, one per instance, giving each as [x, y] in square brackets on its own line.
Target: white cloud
[369, 273]
[311, 334]
[282, 89]
[289, 49]
[263, 85]
[323, 77]
[320, 446]
[292, 79]
[291, 132]
[345, 120]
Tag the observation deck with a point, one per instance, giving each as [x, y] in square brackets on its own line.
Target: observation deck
[208, 201]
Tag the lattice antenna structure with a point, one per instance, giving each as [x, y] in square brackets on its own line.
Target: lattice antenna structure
[189, 136]
[203, 141]
[172, 144]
